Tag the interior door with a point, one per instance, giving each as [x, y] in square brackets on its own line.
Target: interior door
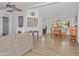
[5, 26]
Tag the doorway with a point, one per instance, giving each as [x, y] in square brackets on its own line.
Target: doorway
[5, 26]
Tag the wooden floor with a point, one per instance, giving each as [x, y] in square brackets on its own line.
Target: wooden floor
[54, 46]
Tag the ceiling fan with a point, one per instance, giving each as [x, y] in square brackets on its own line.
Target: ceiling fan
[10, 7]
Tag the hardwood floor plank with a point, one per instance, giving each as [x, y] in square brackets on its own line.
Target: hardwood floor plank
[54, 46]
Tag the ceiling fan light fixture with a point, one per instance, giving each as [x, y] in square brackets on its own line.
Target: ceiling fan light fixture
[9, 9]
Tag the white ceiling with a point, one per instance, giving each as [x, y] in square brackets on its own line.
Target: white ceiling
[20, 4]
[27, 4]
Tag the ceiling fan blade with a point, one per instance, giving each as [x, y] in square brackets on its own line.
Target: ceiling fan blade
[17, 9]
[9, 10]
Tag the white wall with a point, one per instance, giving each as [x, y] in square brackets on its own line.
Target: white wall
[15, 27]
[50, 12]
[25, 13]
[38, 28]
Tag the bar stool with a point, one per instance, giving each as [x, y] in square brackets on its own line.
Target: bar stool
[33, 34]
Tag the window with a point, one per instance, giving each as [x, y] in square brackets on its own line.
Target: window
[32, 14]
[20, 21]
[32, 22]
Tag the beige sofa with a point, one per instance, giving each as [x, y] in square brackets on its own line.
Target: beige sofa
[15, 44]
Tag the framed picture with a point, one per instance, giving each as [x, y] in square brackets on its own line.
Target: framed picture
[20, 21]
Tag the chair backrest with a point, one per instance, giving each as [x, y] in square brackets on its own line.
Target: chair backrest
[73, 31]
